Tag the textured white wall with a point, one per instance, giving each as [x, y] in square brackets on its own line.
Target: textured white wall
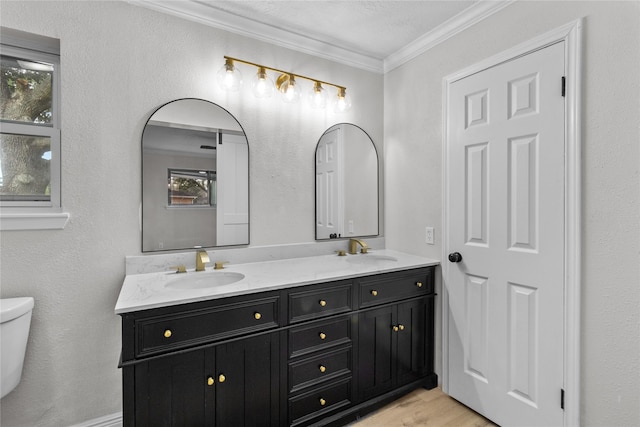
[610, 323]
[119, 63]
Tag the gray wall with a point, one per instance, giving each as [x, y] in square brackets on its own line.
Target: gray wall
[610, 377]
[119, 63]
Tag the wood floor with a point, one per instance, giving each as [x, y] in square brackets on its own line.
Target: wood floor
[424, 408]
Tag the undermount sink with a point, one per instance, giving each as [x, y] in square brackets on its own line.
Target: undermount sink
[370, 259]
[203, 280]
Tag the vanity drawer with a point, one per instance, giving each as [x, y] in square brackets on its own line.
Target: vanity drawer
[394, 286]
[321, 368]
[192, 327]
[319, 402]
[320, 301]
[319, 335]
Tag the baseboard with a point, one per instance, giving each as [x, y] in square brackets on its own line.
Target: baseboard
[113, 420]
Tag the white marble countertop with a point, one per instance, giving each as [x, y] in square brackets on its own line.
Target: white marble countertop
[146, 291]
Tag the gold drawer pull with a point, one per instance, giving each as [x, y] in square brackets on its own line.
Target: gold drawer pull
[221, 378]
[322, 402]
[167, 333]
[322, 303]
[396, 329]
[401, 327]
[419, 284]
[322, 368]
[322, 335]
[374, 293]
[257, 315]
[210, 381]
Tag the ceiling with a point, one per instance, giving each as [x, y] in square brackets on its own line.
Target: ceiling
[376, 35]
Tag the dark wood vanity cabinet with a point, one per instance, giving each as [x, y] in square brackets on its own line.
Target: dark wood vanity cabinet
[392, 346]
[217, 386]
[311, 355]
[214, 363]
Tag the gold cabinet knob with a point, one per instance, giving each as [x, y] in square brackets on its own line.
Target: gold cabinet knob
[167, 333]
[401, 327]
[396, 329]
[210, 381]
[322, 303]
[419, 284]
[221, 378]
[322, 368]
[374, 293]
[322, 402]
[322, 335]
[257, 315]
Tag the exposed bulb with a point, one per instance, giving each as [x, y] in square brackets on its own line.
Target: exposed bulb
[318, 97]
[229, 77]
[342, 102]
[290, 90]
[262, 85]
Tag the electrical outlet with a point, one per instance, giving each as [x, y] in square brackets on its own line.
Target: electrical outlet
[429, 236]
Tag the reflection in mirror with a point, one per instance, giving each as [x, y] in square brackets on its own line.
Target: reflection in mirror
[195, 178]
[346, 184]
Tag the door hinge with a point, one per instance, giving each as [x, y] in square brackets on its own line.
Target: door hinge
[562, 398]
[564, 85]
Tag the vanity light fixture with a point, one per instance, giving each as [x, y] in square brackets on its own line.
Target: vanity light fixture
[289, 88]
[262, 85]
[229, 78]
[318, 96]
[342, 102]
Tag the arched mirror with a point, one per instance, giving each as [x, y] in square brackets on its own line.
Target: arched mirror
[195, 178]
[346, 184]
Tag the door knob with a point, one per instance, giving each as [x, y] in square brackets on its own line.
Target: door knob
[455, 257]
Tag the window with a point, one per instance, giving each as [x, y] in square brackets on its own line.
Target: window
[30, 132]
[188, 188]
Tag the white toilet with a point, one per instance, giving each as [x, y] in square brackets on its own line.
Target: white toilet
[15, 320]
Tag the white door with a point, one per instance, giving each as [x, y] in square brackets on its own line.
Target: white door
[232, 188]
[329, 186]
[506, 221]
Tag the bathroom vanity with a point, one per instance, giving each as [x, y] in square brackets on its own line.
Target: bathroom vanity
[316, 340]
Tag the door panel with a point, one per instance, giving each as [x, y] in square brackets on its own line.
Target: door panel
[376, 341]
[506, 218]
[411, 351]
[329, 179]
[232, 175]
[250, 371]
[170, 391]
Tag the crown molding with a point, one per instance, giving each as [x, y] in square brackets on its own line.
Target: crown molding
[202, 13]
[465, 19]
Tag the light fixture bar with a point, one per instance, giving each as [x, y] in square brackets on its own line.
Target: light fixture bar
[285, 72]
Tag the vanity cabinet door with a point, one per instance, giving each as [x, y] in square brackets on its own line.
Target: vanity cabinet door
[414, 356]
[233, 384]
[376, 344]
[170, 391]
[394, 346]
[247, 382]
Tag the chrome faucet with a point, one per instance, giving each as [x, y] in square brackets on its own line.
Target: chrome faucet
[353, 246]
[202, 257]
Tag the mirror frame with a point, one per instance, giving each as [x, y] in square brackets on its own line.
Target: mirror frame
[315, 213]
[142, 179]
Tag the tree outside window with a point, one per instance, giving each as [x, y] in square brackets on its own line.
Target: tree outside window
[29, 137]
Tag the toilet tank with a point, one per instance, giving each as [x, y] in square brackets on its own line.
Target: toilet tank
[15, 320]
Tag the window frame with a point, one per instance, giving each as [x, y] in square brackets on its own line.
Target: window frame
[211, 190]
[25, 214]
